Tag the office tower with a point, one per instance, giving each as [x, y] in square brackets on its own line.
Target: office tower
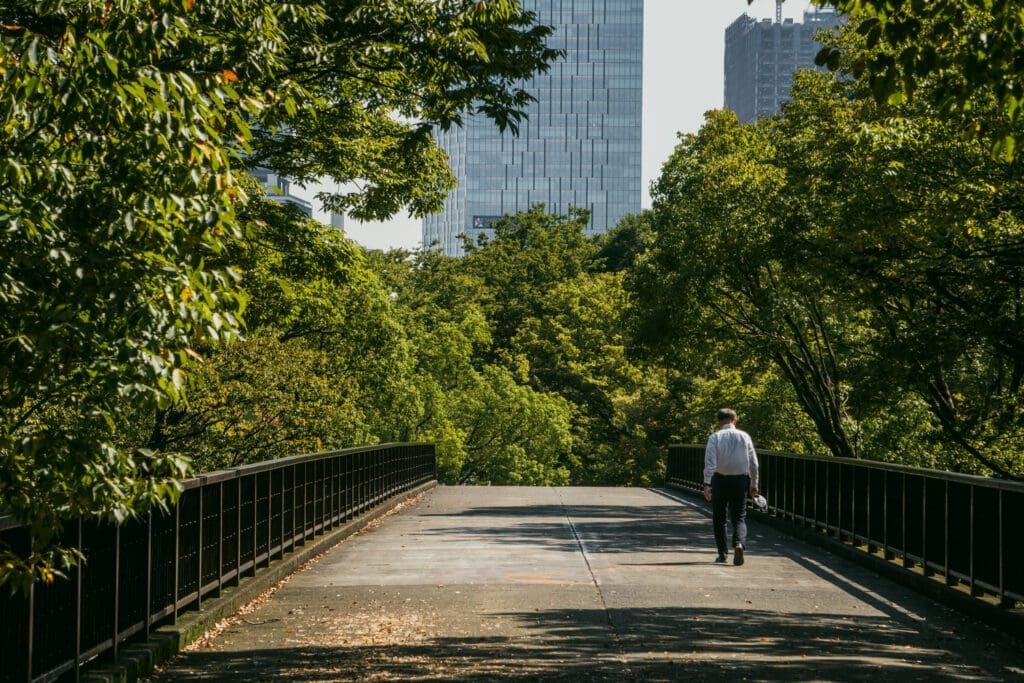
[761, 57]
[279, 189]
[580, 146]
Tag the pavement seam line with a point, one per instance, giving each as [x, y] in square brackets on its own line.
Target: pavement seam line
[593, 579]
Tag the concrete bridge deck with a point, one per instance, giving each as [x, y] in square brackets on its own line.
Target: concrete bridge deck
[524, 584]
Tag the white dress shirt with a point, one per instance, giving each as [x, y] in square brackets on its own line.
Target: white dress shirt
[730, 451]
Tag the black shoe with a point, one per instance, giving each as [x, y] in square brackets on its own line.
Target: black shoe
[737, 555]
[720, 558]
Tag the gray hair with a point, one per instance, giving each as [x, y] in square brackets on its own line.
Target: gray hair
[726, 414]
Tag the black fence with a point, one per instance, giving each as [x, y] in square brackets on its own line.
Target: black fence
[226, 525]
[967, 529]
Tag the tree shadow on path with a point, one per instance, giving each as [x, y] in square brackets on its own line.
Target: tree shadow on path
[637, 644]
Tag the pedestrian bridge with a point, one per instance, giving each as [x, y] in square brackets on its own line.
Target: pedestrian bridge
[587, 584]
[353, 565]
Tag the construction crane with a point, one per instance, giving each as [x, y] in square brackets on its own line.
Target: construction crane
[778, 11]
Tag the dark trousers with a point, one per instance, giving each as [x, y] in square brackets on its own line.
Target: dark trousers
[729, 491]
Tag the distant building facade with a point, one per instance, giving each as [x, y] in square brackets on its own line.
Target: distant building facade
[279, 189]
[580, 146]
[761, 57]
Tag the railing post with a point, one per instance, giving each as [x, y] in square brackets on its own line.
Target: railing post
[177, 558]
[270, 513]
[220, 538]
[330, 488]
[903, 529]
[871, 546]
[828, 496]
[885, 515]
[974, 589]
[928, 571]
[778, 487]
[149, 571]
[1003, 600]
[238, 530]
[803, 493]
[853, 509]
[791, 483]
[281, 522]
[295, 503]
[117, 584]
[350, 486]
[255, 520]
[950, 580]
[31, 627]
[199, 551]
[78, 607]
[316, 496]
[839, 506]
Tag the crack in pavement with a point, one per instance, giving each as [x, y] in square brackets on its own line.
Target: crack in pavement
[597, 586]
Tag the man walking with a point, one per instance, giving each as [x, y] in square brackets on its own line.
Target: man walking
[730, 473]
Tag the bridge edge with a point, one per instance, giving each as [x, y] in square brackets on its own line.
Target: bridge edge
[1009, 620]
[138, 660]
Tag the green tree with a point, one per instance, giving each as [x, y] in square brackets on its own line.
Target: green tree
[511, 433]
[576, 346]
[258, 399]
[117, 187]
[528, 255]
[869, 252]
[621, 245]
[762, 397]
[303, 378]
[722, 269]
[489, 426]
[121, 125]
[375, 78]
[921, 227]
[951, 52]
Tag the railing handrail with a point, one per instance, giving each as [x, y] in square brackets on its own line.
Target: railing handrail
[948, 524]
[227, 524]
[974, 479]
[228, 473]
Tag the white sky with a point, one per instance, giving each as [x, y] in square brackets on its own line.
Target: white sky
[684, 42]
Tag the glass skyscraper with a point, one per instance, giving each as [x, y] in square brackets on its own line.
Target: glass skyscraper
[579, 147]
[761, 57]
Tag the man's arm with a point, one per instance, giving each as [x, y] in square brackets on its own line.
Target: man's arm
[752, 467]
[710, 464]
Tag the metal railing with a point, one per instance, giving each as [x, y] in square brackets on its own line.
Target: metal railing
[965, 528]
[226, 525]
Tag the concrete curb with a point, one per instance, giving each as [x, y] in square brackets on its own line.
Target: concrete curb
[1009, 620]
[136, 660]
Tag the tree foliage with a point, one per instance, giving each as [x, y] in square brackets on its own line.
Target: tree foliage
[490, 425]
[870, 254]
[117, 187]
[953, 52]
[556, 311]
[124, 125]
[932, 233]
[848, 274]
